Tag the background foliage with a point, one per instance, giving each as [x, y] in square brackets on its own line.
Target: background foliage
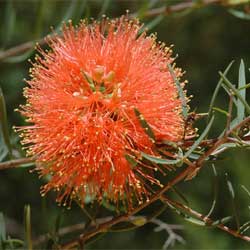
[206, 40]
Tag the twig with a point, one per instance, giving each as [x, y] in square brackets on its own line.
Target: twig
[15, 163]
[67, 230]
[190, 169]
[104, 226]
[169, 228]
[197, 165]
[17, 50]
[167, 10]
[207, 220]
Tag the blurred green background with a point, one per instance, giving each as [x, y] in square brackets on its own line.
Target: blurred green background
[206, 40]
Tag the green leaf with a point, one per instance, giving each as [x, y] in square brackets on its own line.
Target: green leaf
[144, 7]
[150, 25]
[145, 125]
[180, 92]
[4, 123]
[9, 21]
[239, 14]
[221, 221]
[58, 222]
[104, 8]
[124, 227]
[169, 143]
[232, 194]
[68, 15]
[2, 229]
[89, 80]
[27, 227]
[236, 2]
[198, 141]
[187, 217]
[245, 227]
[230, 188]
[245, 87]
[231, 87]
[3, 149]
[139, 221]
[80, 9]
[242, 92]
[215, 183]
[222, 111]
[40, 18]
[195, 221]
[246, 190]
[180, 194]
[131, 160]
[14, 243]
[158, 160]
[216, 91]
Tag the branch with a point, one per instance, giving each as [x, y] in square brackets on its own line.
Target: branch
[166, 10]
[184, 174]
[195, 167]
[189, 171]
[67, 230]
[207, 220]
[15, 163]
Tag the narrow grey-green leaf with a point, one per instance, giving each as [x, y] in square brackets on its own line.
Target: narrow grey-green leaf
[245, 229]
[232, 194]
[131, 160]
[68, 14]
[230, 187]
[221, 221]
[104, 8]
[245, 87]
[2, 228]
[27, 224]
[180, 194]
[9, 21]
[144, 124]
[235, 91]
[239, 14]
[158, 160]
[3, 149]
[246, 190]
[80, 10]
[242, 92]
[222, 111]
[194, 156]
[140, 14]
[4, 122]
[42, 6]
[150, 25]
[244, 226]
[202, 136]
[187, 217]
[215, 186]
[216, 91]
[195, 221]
[180, 92]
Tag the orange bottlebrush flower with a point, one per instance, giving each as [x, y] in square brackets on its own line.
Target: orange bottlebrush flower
[82, 101]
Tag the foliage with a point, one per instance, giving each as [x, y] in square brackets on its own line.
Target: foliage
[223, 130]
